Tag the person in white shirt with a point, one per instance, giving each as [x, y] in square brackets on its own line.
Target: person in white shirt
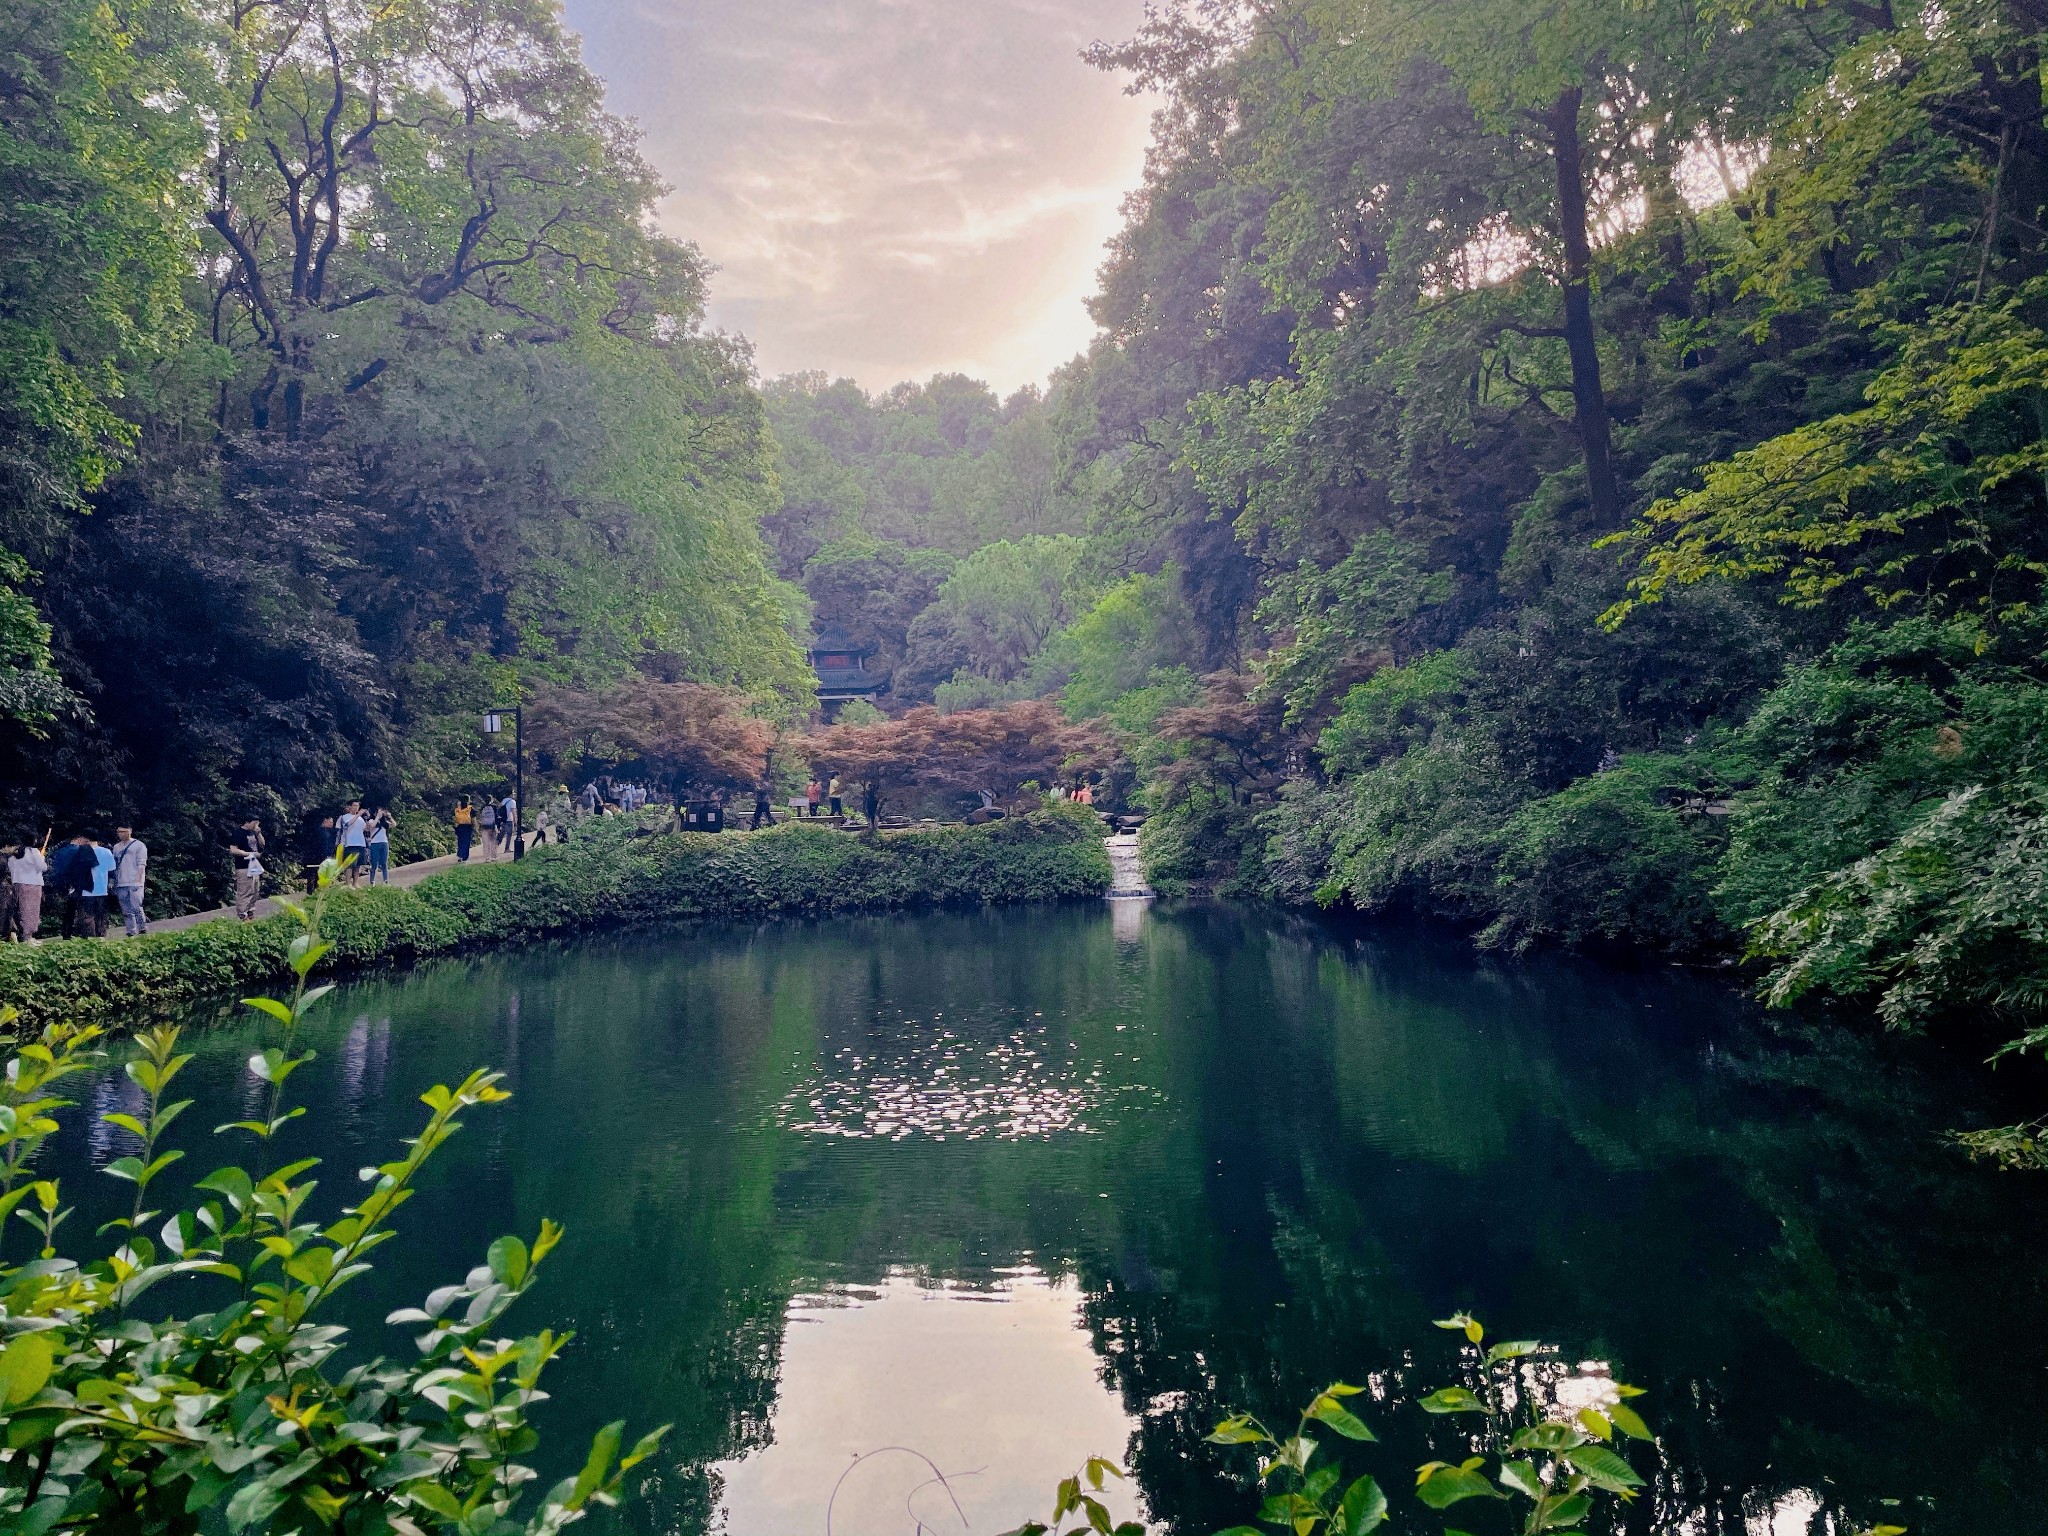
[508, 823]
[26, 868]
[487, 822]
[131, 868]
[353, 834]
[380, 845]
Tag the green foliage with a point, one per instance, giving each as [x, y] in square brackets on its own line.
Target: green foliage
[246, 1416]
[1623, 858]
[1550, 1459]
[997, 610]
[1076, 1498]
[385, 403]
[603, 878]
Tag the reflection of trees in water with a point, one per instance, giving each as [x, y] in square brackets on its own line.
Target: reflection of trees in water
[1309, 1148]
[1765, 1233]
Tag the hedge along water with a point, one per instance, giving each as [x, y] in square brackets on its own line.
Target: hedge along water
[604, 878]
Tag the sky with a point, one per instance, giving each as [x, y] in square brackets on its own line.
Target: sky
[889, 188]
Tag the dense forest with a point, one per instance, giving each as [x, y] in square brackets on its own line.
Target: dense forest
[346, 394]
[1576, 471]
[1571, 470]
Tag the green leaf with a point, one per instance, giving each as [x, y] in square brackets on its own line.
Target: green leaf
[1606, 1469]
[1320, 1482]
[1325, 1410]
[1567, 1511]
[508, 1261]
[1364, 1508]
[270, 1005]
[1522, 1477]
[25, 1365]
[1237, 1430]
[644, 1447]
[1514, 1350]
[1462, 1322]
[604, 1446]
[1549, 1435]
[1453, 1400]
[1444, 1485]
[1629, 1422]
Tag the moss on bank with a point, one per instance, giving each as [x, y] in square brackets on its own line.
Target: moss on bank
[601, 880]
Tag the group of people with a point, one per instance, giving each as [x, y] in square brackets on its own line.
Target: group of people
[496, 820]
[604, 794]
[1082, 793]
[83, 872]
[826, 791]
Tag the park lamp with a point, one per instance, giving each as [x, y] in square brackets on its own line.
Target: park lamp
[494, 723]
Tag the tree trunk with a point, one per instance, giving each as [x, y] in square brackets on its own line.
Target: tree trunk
[1589, 401]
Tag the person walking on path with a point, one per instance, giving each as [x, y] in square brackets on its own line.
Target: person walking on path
[27, 868]
[465, 828]
[131, 868]
[764, 814]
[832, 794]
[508, 824]
[247, 846]
[380, 844]
[353, 831]
[813, 793]
[871, 802]
[487, 821]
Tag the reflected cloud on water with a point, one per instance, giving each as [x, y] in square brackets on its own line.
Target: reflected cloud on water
[994, 1386]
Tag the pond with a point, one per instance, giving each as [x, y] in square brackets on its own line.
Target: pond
[1006, 1189]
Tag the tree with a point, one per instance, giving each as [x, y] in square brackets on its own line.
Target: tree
[684, 735]
[997, 610]
[976, 751]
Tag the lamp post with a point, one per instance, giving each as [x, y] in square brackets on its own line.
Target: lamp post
[494, 723]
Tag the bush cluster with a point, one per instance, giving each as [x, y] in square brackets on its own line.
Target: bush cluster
[606, 877]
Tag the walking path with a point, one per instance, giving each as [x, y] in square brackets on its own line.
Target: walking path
[403, 875]
[1127, 875]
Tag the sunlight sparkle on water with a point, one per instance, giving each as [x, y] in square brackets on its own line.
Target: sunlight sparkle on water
[942, 1084]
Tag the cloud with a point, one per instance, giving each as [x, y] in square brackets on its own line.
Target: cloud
[891, 188]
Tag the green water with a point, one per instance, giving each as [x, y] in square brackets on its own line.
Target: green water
[1009, 1188]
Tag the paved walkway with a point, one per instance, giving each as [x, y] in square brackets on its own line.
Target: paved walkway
[403, 875]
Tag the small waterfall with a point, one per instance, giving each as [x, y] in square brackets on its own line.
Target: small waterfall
[1127, 876]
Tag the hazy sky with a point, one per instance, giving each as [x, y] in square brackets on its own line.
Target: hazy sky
[890, 187]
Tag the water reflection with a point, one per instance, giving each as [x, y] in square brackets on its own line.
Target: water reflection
[1139, 1166]
[994, 1385]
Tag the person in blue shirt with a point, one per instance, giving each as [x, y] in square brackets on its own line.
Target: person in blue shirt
[84, 867]
[102, 874]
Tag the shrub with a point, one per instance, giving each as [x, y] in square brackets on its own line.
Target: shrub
[606, 877]
[247, 1417]
[1622, 858]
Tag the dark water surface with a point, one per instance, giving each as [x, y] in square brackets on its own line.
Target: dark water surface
[1011, 1188]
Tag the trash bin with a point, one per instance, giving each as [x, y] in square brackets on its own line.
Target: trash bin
[703, 816]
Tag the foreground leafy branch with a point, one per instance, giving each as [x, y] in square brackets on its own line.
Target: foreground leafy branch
[239, 1415]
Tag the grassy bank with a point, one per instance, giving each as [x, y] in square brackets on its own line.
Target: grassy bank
[601, 880]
